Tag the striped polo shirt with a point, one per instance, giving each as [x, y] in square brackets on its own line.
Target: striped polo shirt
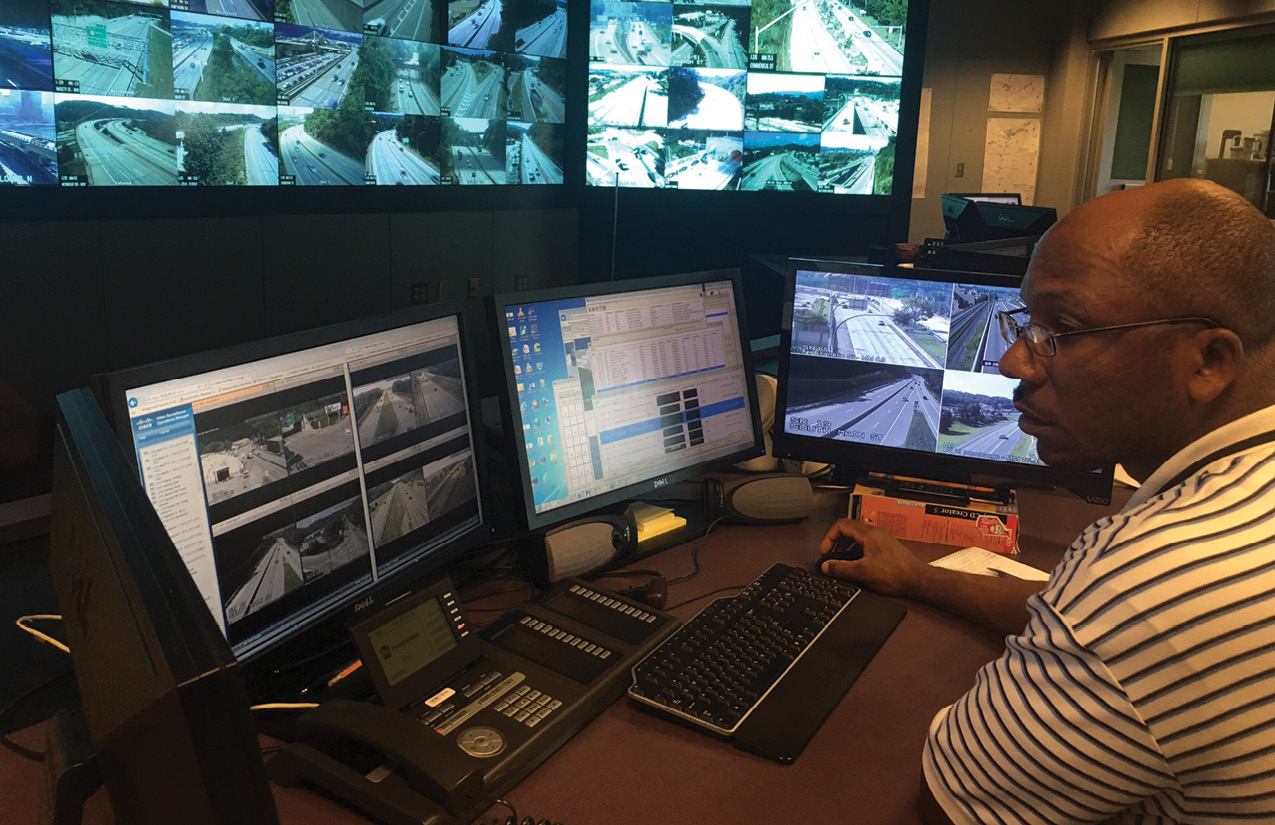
[1143, 687]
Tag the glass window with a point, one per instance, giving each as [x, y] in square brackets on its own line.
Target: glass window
[1221, 105]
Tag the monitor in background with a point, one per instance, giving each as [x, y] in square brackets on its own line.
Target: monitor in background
[614, 390]
[970, 220]
[307, 476]
[163, 696]
[1011, 198]
[895, 371]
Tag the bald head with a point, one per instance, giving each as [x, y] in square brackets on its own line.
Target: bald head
[1189, 247]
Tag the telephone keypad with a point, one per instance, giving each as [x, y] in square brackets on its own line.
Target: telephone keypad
[527, 706]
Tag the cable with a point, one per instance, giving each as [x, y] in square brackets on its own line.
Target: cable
[706, 595]
[25, 753]
[44, 637]
[695, 553]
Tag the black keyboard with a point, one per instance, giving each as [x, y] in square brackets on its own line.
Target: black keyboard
[726, 667]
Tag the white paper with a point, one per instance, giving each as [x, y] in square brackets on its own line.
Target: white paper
[1017, 93]
[922, 167]
[985, 563]
[1011, 155]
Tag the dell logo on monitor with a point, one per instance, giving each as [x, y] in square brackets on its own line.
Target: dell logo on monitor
[660, 482]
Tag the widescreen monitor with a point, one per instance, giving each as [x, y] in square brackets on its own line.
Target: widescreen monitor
[163, 696]
[976, 220]
[895, 370]
[268, 93]
[1011, 198]
[613, 390]
[746, 95]
[301, 475]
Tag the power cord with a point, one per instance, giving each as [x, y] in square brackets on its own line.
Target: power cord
[9, 744]
[513, 819]
[44, 637]
[706, 595]
[695, 552]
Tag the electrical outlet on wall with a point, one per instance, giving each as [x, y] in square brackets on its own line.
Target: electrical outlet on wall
[522, 283]
[420, 293]
[443, 290]
[960, 171]
[475, 288]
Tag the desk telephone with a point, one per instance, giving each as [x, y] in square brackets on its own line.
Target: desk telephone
[465, 716]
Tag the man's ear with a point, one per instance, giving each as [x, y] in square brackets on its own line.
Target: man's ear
[1220, 355]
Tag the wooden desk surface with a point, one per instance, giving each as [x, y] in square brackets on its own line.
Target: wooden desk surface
[629, 767]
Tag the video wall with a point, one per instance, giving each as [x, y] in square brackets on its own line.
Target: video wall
[282, 92]
[740, 95]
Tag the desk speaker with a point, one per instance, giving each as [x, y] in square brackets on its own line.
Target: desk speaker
[776, 498]
[581, 546]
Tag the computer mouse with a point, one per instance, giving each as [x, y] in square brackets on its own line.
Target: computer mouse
[843, 550]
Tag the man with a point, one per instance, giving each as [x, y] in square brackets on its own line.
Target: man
[1139, 684]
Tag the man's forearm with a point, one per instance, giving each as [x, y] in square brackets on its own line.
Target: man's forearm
[998, 604]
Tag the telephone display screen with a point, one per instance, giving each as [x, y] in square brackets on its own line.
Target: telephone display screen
[412, 641]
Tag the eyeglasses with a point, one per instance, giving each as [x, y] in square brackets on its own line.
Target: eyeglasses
[1044, 343]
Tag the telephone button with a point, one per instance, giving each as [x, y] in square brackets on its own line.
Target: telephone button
[481, 742]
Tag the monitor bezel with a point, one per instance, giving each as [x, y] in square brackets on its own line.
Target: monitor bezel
[985, 197]
[1094, 487]
[528, 518]
[328, 628]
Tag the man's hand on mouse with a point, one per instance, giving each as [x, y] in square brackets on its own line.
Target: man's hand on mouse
[886, 566]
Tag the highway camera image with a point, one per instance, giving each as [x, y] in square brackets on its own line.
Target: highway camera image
[313, 151]
[877, 319]
[272, 571]
[480, 24]
[412, 88]
[225, 145]
[541, 28]
[473, 84]
[710, 37]
[242, 456]
[534, 152]
[398, 507]
[632, 96]
[707, 99]
[316, 431]
[976, 344]
[632, 34]
[332, 538]
[877, 404]
[245, 9]
[474, 151]
[406, 19]
[704, 160]
[902, 363]
[221, 60]
[625, 157]
[102, 48]
[26, 55]
[979, 419]
[405, 151]
[449, 484]
[780, 161]
[536, 89]
[784, 103]
[28, 149]
[314, 66]
[113, 141]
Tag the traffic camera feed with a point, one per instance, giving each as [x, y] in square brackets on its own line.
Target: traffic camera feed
[282, 92]
[903, 363]
[745, 96]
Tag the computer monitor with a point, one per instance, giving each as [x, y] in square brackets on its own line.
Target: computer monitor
[308, 476]
[971, 220]
[163, 697]
[613, 390]
[894, 370]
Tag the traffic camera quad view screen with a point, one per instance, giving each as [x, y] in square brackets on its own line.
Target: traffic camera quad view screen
[282, 92]
[733, 94]
[903, 363]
